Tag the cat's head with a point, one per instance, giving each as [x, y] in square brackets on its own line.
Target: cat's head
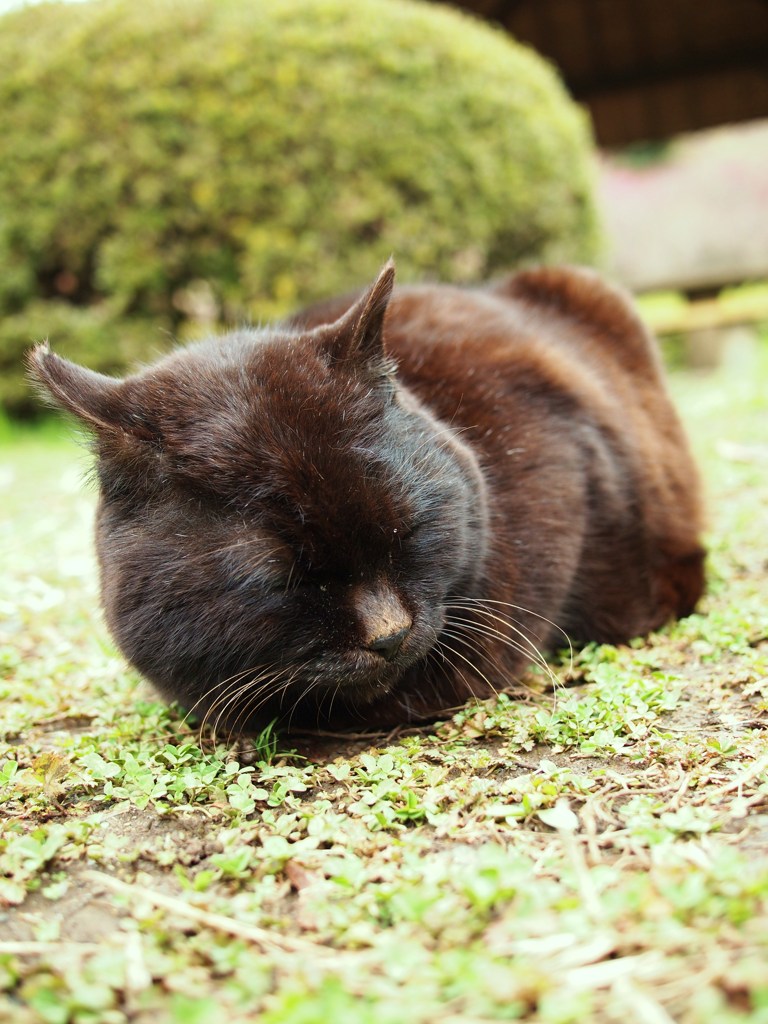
[281, 522]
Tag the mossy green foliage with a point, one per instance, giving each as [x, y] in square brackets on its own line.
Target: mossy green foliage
[264, 154]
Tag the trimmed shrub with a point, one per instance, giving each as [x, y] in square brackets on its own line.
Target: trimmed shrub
[87, 334]
[265, 153]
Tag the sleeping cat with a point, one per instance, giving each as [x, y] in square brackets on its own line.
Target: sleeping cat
[391, 503]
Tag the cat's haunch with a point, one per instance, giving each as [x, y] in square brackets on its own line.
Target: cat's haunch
[388, 504]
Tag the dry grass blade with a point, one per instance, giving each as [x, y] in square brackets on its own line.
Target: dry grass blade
[47, 948]
[210, 919]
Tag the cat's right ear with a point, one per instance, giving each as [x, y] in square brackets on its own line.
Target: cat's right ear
[358, 334]
[102, 403]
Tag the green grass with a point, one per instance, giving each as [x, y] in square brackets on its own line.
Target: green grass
[596, 855]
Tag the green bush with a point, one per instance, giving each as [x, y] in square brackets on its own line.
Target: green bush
[264, 153]
[87, 334]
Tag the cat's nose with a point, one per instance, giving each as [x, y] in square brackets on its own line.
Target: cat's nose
[388, 646]
[383, 619]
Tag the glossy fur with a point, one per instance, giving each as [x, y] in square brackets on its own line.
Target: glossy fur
[390, 503]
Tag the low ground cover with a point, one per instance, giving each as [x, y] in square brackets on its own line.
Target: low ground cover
[594, 853]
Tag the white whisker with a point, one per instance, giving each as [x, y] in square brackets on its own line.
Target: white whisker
[533, 654]
[525, 611]
[474, 667]
[511, 624]
[478, 604]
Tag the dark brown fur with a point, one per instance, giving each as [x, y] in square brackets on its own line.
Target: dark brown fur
[357, 519]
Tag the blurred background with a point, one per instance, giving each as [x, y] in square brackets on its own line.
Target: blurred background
[174, 168]
[677, 93]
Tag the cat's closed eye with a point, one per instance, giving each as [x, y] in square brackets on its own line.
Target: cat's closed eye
[412, 530]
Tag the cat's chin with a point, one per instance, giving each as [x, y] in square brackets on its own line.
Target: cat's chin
[358, 678]
[362, 677]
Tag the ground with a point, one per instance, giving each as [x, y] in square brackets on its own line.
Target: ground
[596, 851]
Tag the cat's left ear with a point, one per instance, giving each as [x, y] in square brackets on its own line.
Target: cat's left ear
[357, 335]
[105, 404]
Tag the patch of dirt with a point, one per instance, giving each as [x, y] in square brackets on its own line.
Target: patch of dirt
[136, 838]
[82, 914]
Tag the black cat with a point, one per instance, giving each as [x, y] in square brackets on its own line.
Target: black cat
[385, 506]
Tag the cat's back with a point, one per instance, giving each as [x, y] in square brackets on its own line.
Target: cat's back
[560, 333]
[574, 308]
[558, 311]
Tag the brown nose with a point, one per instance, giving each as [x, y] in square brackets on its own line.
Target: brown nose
[384, 620]
[388, 646]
